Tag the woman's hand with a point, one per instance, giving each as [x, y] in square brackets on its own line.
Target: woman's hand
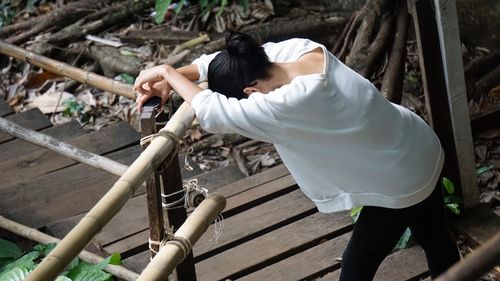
[152, 82]
[159, 80]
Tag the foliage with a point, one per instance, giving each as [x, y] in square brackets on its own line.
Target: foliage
[451, 201]
[404, 240]
[16, 266]
[162, 7]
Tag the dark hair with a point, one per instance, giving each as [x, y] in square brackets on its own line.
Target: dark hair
[242, 62]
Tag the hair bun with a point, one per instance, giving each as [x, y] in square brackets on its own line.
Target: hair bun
[240, 44]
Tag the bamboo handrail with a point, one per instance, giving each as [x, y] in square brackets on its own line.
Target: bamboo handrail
[195, 225]
[476, 264]
[114, 199]
[66, 70]
[40, 237]
[68, 150]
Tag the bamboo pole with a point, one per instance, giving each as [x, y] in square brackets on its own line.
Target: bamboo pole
[68, 150]
[86, 256]
[114, 199]
[476, 264]
[191, 230]
[63, 69]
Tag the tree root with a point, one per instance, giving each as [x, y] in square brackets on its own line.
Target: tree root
[392, 83]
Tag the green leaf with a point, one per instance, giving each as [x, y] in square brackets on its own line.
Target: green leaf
[9, 250]
[113, 259]
[180, 4]
[92, 274]
[448, 185]
[484, 169]
[26, 261]
[15, 274]
[161, 7]
[203, 4]
[403, 241]
[45, 249]
[129, 79]
[355, 213]
[221, 8]
[74, 262]
[454, 208]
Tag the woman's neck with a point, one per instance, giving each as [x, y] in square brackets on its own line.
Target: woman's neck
[280, 74]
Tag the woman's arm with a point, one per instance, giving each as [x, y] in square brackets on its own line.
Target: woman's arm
[161, 88]
[146, 84]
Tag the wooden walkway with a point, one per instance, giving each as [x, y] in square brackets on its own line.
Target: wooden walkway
[271, 231]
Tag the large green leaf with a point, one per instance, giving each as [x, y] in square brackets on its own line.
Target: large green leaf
[15, 274]
[26, 261]
[9, 249]
[92, 274]
[161, 7]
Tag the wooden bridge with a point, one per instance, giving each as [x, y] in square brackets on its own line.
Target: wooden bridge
[271, 231]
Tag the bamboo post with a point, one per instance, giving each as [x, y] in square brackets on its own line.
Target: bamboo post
[40, 237]
[114, 199]
[66, 70]
[68, 150]
[476, 264]
[153, 187]
[173, 253]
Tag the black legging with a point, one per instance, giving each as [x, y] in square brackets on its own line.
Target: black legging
[378, 230]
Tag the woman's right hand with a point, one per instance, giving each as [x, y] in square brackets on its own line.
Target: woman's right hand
[149, 83]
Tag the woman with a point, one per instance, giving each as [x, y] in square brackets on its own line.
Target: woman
[344, 144]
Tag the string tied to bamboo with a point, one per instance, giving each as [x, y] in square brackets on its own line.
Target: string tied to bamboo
[182, 242]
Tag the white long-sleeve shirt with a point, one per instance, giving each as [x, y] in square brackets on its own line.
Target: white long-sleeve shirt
[342, 141]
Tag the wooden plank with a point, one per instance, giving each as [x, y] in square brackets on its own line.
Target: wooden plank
[61, 132]
[407, 264]
[258, 195]
[153, 184]
[451, 48]
[449, 112]
[5, 109]
[242, 201]
[31, 119]
[60, 194]
[307, 265]
[43, 161]
[480, 225]
[253, 181]
[255, 222]
[271, 247]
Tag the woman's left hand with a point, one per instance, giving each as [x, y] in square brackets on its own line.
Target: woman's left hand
[152, 82]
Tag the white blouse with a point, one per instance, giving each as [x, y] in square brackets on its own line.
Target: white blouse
[342, 141]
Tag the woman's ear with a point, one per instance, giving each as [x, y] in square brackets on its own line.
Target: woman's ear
[250, 89]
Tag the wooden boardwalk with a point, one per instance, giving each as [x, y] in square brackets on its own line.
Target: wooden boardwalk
[271, 231]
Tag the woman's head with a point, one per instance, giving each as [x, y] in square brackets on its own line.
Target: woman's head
[240, 64]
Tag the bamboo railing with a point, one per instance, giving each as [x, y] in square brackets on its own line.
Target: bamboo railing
[195, 225]
[476, 264]
[160, 147]
[66, 70]
[67, 150]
